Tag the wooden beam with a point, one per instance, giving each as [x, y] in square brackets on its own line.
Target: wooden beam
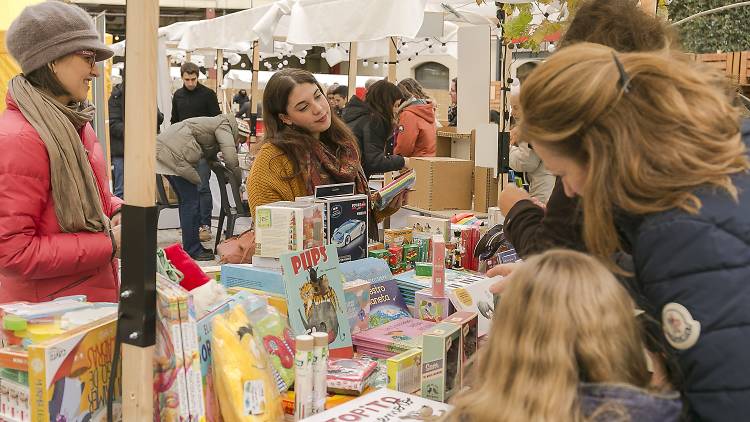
[255, 92]
[136, 326]
[392, 57]
[352, 68]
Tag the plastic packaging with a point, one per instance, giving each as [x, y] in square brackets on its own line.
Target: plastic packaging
[272, 329]
[243, 378]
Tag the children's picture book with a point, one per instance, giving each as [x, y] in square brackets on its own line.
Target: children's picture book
[386, 303]
[69, 375]
[476, 298]
[373, 270]
[315, 296]
[385, 405]
[404, 181]
[430, 225]
[357, 294]
[394, 337]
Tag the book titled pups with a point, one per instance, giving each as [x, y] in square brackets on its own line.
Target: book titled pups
[315, 296]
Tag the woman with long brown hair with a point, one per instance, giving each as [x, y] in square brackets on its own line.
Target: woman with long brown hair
[564, 346]
[305, 145]
[656, 152]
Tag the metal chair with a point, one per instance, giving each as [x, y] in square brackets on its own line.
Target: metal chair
[162, 202]
[225, 177]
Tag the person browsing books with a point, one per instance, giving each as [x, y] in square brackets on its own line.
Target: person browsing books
[577, 351]
[305, 145]
[658, 155]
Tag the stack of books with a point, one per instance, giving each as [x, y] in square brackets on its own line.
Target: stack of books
[409, 283]
[392, 338]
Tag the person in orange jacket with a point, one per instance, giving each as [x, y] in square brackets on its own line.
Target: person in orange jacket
[416, 124]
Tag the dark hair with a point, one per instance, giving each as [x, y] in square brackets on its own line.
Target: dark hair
[455, 82]
[411, 88]
[380, 98]
[618, 24]
[45, 79]
[189, 68]
[294, 141]
[342, 91]
[523, 71]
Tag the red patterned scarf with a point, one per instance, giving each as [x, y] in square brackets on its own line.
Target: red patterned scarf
[326, 168]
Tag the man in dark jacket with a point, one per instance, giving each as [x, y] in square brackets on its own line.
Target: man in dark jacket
[117, 136]
[241, 98]
[196, 100]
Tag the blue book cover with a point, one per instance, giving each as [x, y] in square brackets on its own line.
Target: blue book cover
[315, 296]
[369, 269]
[386, 303]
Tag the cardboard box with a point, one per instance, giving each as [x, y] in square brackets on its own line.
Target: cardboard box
[441, 361]
[442, 183]
[430, 225]
[404, 371]
[430, 308]
[398, 237]
[285, 226]
[469, 323]
[345, 225]
[485, 189]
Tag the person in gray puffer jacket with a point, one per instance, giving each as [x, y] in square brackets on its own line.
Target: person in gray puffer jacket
[178, 150]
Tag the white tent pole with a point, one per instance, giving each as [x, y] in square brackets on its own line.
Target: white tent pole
[352, 68]
[392, 57]
[255, 92]
[220, 77]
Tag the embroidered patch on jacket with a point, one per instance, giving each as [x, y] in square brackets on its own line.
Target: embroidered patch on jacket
[680, 329]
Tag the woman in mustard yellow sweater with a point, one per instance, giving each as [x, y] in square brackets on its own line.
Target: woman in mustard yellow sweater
[305, 145]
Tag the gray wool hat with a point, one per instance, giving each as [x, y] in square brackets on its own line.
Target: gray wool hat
[47, 31]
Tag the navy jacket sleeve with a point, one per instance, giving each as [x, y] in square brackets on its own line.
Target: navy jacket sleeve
[700, 266]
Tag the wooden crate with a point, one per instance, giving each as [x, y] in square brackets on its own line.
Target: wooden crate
[744, 67]
[734, 65]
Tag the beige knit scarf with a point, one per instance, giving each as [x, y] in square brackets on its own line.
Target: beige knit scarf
[74, 189]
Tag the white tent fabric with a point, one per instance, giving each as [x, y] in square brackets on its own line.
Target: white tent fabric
[236, 79]
[311, 21]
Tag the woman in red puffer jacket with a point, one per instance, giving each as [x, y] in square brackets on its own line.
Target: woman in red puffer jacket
[59, 222]
[416, 122]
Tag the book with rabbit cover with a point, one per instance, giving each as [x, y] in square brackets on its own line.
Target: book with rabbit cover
[315, 296]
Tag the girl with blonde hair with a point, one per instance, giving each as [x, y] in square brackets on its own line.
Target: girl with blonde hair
[565, 346]
[658, 155]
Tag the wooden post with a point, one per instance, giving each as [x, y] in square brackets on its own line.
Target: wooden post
[392, 57]
[255, 99]
[649, 6]
[136, 325]
[220, 78]
[352, 69]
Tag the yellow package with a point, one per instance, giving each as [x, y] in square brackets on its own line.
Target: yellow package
[244, 382]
